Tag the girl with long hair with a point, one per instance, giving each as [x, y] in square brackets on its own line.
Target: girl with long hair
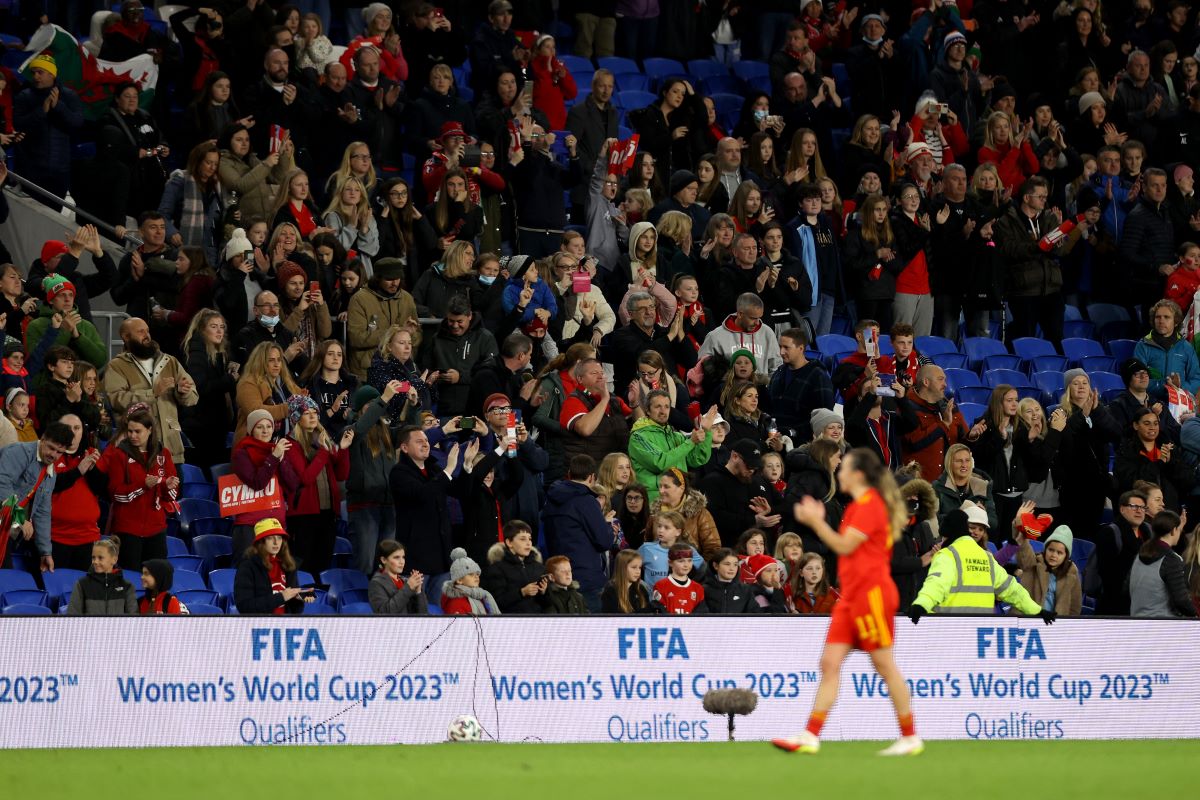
[266, 580]
[206, 355]
[625, 593]
[389, 591]
[811, 592]
[213, 109]
[404, 232]
[143, 486]
[747, 421]
[356, 163]
[311, 470]
[871, 258]
[748, 209]
[868, 147]
[265, 383]
[453, 215]
[196, 281]
[313, 48]
[913, 303]
[633, 511]
[295, 204]
[1157, 586]
[1002, 447]
[350, 218]
[644, 175]
[1009, 150]
[329, 383]
[192, 204]
[710, 178]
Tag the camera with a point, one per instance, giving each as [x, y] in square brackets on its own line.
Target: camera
[471, 157]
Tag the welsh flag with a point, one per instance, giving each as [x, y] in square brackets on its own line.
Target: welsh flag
[90, 77]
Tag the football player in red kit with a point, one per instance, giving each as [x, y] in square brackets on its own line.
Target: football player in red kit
[677, 593]
[865, 616]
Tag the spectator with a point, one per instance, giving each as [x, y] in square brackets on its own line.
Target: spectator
[1050, 577]
[147, 270]
[1000, 443]
[1010, 151]
[873, 67]
[871, 256]
[374, 311]
[328, 383]
[960, 484]
[57, 394]
[430, 38]
[191, 203]
[508, 374]
[265, 328]
[593, 421]
[1157, 584]
[16, 409]
[538, 181]
[404, 232]
[1142, 101]
[1129, 403]
[670, 126]
[438, 116]
[552, 83]
[813, 241]
[453, 352]
[515, 575]
[389, 592]
[495, 48]
[454, 215]
[738, 498]
[1083, 453]
[279, 101]
[798, 386]
[724, 593]
[655, 447]
[104, 590]
[71, 331]
[49, 114]
[1145, 455]
[677, 593]
[419, 490]
[744, 330]
[1148, 240]
[452, 278]
[266, 581]
[157, 577]
[593, 121]
[75, 507]
[625, 593]
[811, 591]
[144, 374]
[684, 189]
[576, 527]
[562, 592]
[350, 218]
[194, 292]
[129, 137]
[1034, 277]
[264, 384]
[936, 423]
[519, 475]
[143, 485]
[252, 182]
[303, 312]
[953, 242]
[675, 495]
[295, 206]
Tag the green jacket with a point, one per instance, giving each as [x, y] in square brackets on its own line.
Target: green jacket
[965, 579]
[87, 345]
[654, 449]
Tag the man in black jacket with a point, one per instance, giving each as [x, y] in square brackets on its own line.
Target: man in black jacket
[641, 334]
[1033, 275]
[1148, 241]
[738, 496]
[377, 99]
[538, 181]
[459, 344]
[419, 490]
[495, 47]
[955, 241]
[276, 100]
[1117, 546]
[504, 373]
[593, 120]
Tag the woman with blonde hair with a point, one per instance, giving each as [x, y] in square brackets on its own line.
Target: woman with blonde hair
[350, 218]
[804, 164]
[356, 163]
[871, 259]
[394, 361]
[206, 354]
[674, 246]
[265, 383]
[625, 593]
[453, 276]
[1009, 150]
[295, 204]
[868, 147]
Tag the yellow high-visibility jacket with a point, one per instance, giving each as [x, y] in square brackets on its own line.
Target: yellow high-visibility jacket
[964, 578]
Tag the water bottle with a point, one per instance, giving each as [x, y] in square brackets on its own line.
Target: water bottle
[511, 432]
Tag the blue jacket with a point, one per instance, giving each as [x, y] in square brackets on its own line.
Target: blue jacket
[19, 470]
[576, 528]
[543, 297]
[1112, 217]
[1180, 358]
[47, 143]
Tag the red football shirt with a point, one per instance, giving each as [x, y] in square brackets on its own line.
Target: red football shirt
[871, 562]
[678, 599]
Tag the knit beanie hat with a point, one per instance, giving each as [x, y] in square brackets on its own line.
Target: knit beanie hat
[363, 395]
[12, 345]
[288, 270]
[1131, 367]
[299, 403]
[680, 178]
[268, 527]
[1001, 91]
[44, 61]
[389, 269]
[1089, 99]
[1072, 374]
[238, 244]
[952, 37]
[163, 573]
[256, 416]
[1086, 198]
[1062, 534]
[760, 562]
[52, 248]
[821, 418]
[744, 352]
[462, 565]
[52, 285]
[977, 516]
[372, 11]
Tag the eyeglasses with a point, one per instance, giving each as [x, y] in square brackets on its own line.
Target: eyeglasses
[538, 136]
[486, 154]
[1135, 507]
[612, 183]
[1039, 197]
[266, 305]
[648, 376]
[500, 409]
[394, 193]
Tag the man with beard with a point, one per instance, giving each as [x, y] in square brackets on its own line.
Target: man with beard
[738, 496]
[144, 374]
[277, 100]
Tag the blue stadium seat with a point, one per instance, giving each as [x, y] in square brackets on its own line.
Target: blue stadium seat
[885, 345]
[435, 610]
[616, 64]
[216, 550]
[1121, 329]
[1079, 329]
[305, 578]
[971, 412]
[1001, 361]
[977, 395]
[624, 132]
[212, 526]
[356, 609]
[176, 546]
[658, 68]
[583, 81]
[190, 473]
[465, 92]
[1092, 364]
[33, 597]
[949, 360]
[1121, 349]
[721, 84]
[11, 580]
[187, 563]
[575, 63]
[1106, 381]
[340, 580]
[318, 609]
[961, 378]
[195, 508]
[1051, 385]
[701, 68]
[221, 581]
[350, 596]
[748, 70]
[978, 348]
[217, 470]
[841, 79]
[934, 345]
[1080, 551]
[1071, 313]
[60, 583]
[632, 82]
[631, 101]
[1027, 347]
[191, 597]
[728, 106]
[343, 551]
[134, 576]
[1047, 364]
[198, 491]
[1012, 377]
[1075, 349]
[204, 610]
[831, 343]
[1103, 313]
[25, 610]
[762, 83]
[186, 581]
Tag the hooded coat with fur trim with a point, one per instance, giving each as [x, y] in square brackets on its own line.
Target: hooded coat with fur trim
[505, 575]
[917, 539]
[699, 527]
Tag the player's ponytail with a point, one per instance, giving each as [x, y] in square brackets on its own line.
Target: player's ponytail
[880, 478]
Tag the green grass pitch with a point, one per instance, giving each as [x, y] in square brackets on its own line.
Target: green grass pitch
[845, 771]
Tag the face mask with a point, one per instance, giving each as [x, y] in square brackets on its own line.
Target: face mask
[760, 115]
[487, 280]
[270, 322]
[873, 42]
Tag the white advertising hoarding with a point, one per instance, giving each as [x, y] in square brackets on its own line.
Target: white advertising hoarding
[325, 680]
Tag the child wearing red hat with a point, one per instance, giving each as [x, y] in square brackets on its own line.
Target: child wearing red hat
[266, 580]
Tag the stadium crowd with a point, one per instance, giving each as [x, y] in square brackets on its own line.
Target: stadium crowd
[447, 289]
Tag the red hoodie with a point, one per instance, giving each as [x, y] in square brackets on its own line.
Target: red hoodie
[137, 509]
[75, 512]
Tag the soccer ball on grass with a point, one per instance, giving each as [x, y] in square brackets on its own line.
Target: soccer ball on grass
[465, 728]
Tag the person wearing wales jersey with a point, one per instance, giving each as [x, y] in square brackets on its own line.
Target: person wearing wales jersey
[864, 618]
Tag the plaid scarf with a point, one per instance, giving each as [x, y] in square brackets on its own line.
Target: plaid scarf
[193, 223]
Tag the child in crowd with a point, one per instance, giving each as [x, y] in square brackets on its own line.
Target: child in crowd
[16, 408]
[103, 590]
[677, 593]
[389, 592]
[16, 368]
[462, 594]
[752, 542]
[668, 529]
[1184, 278]
[625, 593]
[562, 595]
[157, 576]
[789, 548]
[634, 512]
[769, 595]
[772, 470]
[723, 592]
[266, 580]
[811, 593]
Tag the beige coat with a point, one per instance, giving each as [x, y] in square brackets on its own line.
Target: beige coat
[126, 383]
[368, 317]
[255, 182]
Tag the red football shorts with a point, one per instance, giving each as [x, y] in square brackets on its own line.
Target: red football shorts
[866, 621]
